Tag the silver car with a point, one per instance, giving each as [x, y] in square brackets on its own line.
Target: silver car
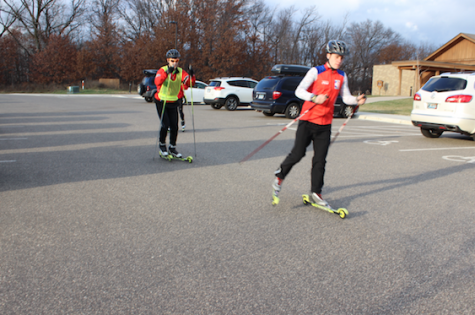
[446, 103]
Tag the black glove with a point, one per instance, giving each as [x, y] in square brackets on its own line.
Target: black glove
[190, 71]
[170, 70]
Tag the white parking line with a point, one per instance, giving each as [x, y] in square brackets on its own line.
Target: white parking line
[436, 149]
[8, 161]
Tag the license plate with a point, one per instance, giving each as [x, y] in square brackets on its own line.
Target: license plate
[432, 105]
[261, 96]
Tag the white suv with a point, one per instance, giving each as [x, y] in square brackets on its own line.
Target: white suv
[446, 103]
[230, 92]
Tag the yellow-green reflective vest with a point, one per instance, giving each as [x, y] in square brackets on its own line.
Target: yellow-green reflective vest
[170, 89]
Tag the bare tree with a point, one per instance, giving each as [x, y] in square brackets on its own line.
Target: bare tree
[308, 20]
[424, 50]
[141, 16]
[278, 39]
[41, 18]
[6, 20]
[260, 18]
[366, 40]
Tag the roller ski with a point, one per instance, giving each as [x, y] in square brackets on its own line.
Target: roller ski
[276, 187]
[317, 201]
[174, 155]
[188, 159]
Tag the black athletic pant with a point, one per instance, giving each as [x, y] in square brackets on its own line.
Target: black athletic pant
[169, 120]
[306, 133]
[180, 110]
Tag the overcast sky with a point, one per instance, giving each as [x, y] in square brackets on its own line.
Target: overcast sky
[427, 21]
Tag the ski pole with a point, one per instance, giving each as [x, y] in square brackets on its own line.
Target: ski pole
[344, 124]
[161, 117]
[278, 133]
[192, 111]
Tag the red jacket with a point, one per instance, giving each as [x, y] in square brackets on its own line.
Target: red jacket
[323, 80]
[162, 76]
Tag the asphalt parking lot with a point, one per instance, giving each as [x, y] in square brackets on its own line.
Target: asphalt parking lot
[91, 223]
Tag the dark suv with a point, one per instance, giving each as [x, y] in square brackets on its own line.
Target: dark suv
[147, 87]
[276, 94]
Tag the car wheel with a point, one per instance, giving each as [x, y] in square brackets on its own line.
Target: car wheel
[149, 99]
[347, 111]
[431, 133]
[292, 111]
[231, 103]
[268, 114]
[216, 106]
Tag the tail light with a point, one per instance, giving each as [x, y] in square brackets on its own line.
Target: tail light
[148, 87]
[219, 88]
[459, 98]
[417, 97]
[276, 95]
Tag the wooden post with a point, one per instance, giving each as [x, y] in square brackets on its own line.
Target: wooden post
[400, 82]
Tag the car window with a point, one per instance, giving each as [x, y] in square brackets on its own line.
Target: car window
[290, 84]
[252, 84]
[215, 83]
[236, 83]
[268, 83]
[200, 85]
[443, 84]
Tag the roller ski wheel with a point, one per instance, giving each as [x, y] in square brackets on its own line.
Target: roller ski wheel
[275, 199]
[188, 159]
[341, 212]
[165, 157]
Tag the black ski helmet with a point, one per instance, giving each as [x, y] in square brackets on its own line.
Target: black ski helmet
[337, 47]
[173, 53]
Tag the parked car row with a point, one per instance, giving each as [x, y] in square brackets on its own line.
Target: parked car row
[445, 103]
[272, 95]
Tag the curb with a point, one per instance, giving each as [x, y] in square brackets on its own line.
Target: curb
[403, 120]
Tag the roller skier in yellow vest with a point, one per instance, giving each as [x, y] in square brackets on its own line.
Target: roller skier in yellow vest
[170, 81]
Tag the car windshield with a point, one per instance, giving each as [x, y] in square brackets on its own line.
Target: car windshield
[444, 84]
[215, 83]
[268, 83]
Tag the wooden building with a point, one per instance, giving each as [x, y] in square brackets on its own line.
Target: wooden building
[406, 77]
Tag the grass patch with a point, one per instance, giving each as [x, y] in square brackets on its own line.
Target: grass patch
[395, 107]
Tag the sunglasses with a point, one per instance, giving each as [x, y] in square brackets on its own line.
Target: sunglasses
[174, 60]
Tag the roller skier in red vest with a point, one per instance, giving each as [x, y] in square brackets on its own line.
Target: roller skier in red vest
[319, 88]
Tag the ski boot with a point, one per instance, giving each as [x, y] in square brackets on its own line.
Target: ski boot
[318, 202]
[172, 150]
[276, 187]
